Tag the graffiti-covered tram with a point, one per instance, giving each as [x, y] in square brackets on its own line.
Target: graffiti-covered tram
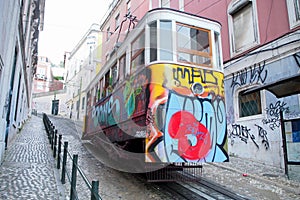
[159, 99]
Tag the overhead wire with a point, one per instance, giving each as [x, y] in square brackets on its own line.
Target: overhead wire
[213, 4]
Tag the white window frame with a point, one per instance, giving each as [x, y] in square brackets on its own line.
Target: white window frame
[128, 4]
[167, 4]
[237, 101]
[292, 13]
[234, 7]
[1, 67]
[108, 33]
[117, 21]
[181, 5]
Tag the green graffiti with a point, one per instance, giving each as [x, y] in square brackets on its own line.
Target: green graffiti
[129, 95]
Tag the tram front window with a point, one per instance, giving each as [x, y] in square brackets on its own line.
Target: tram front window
[138, 52]
[153, 41]
[166, 48]
[193, 45]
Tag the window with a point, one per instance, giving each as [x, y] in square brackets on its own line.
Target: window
[122, 67]
[165, 3]
[293, 12]
[218, 56]
[194, 45]
[129, 6]
[181, 5]
[77, 105]
[153, 41]
[242, 16]
[165, 41]
[249, 104]
[114, 74]
[117, 21]
[138, 52]
[96, 92]
[108, 33]
[88, 99]
[107, 85]
[83, 103]
[1, 67]
[102, 91]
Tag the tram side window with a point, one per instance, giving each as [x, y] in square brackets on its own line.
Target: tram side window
[153, 41]
[114, 75]
[122, 67]
[218, 61]
[95, 94]
[107, 85]
[101, 88]
[194, 45]
[166, 47]
[88, 99]
[138, 52]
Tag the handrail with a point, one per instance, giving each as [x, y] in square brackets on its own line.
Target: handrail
[56, 147]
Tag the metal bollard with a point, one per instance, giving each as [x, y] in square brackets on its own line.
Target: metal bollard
[55, 143]
[95, 190]
[52, 137]
[74, 174]
[63, 171]
[49, 134]
[59, 151]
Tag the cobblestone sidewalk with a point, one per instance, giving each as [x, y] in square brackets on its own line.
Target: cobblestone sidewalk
[28, 170]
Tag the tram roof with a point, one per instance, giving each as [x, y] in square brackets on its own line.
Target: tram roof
[170, 9]
[187, 13]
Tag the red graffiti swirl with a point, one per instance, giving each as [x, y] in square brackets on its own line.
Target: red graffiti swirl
[193, 137]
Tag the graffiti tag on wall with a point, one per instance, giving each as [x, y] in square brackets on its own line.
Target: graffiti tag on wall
[254, 74]
[273, 112]
[245, 134]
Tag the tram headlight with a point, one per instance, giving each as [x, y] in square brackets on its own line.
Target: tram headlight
[197, 89]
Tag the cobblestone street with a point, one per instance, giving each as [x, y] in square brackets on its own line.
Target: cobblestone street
[112, 184]
[29, 171]
[28, 168]
[245, 177]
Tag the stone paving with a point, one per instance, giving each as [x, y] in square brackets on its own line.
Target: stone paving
[27, 171]
[252, 179]
[246, 177]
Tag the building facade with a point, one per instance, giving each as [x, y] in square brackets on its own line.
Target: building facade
[259, 47]
[20, 24]
[82, 64]
[45, 79]
[268, 53]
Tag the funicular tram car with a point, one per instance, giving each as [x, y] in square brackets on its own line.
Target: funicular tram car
[159, 100]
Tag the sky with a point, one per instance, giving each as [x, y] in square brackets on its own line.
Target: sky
[65, 23]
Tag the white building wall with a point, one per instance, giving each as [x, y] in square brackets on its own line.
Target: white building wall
[42, 102]
[259, 137]
[9, 12]
[16, 68]
[80, 70]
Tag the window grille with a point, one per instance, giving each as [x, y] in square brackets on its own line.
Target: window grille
[249, 104]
